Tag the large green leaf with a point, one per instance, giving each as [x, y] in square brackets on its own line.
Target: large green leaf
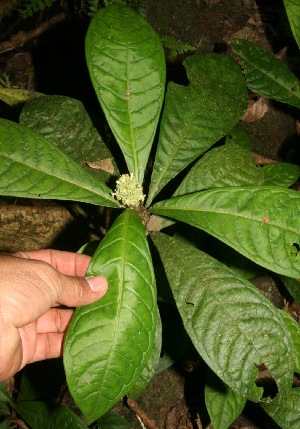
[198, 115]
[153, 362]
[228, 165]
[222, 403]
[32, 167]
[127, 67]
[47, 415]
[108, 343]
[292, 8]
[294, 329]
[232, 325]
[260, 222]
[266, 74]
[66, 122]
[285, 409]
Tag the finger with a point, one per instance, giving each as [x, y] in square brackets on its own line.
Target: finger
[36, 286]
[71, 264]
[55, 320]
[48, 346]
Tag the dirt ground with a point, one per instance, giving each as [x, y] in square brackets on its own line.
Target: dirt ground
[53, 63]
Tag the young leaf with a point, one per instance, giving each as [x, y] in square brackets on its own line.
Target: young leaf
[280, 174]
[108, 343]
[127, 67]
[65, 122]
[260, 222]
[47, 415]
[232, 325]
[292, 8]
[223, 404]
[32, 167]
[198, 115]
[228, 165]
[285, 409]
[267, 75]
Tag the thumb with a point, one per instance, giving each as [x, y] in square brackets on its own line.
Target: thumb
[77, 291]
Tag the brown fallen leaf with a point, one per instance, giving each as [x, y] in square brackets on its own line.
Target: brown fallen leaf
[104, 164]
[256, 109]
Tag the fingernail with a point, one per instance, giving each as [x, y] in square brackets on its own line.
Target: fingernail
[97, 283]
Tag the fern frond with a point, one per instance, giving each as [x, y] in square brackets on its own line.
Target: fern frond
[175, 46]
[29, 7]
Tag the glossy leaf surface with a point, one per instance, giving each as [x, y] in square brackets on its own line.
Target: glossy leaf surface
[228, 165]
[223, 404]
[127, 67]
[108, 343]
[267, 75]
[232, 325]
[198, 115]
[261, 223]
[32, 167]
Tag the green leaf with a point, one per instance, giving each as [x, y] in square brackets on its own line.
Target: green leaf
[232, 325]
[228, 165]
[111, 420]
[260, 222]
[239, 136]
[108, 343]
[198, 115]
[267, 75]
[14, 96]
[285, 409]
[293, 287]
[294, 329]
[223, 404]
[149, 370]
[4, 394]
[33, 167]
[47, 415]
[127, 67]
[5, 424]
[280, 174]
[65, 122]
[292, 8]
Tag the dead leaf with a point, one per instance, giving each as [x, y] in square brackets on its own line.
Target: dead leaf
[298, 127]
[256, 109]
[105, 165]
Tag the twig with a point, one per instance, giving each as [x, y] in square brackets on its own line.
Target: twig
[141, 414]
[18, 39]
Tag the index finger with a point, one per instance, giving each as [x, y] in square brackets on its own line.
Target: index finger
[68, 263]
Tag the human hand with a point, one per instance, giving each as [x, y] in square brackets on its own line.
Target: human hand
[32, 284]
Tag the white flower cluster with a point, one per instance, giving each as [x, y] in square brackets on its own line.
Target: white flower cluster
[129, 191]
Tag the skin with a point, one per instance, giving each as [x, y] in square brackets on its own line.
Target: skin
[32, 285]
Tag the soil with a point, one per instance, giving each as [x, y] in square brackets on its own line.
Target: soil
[53, 63]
